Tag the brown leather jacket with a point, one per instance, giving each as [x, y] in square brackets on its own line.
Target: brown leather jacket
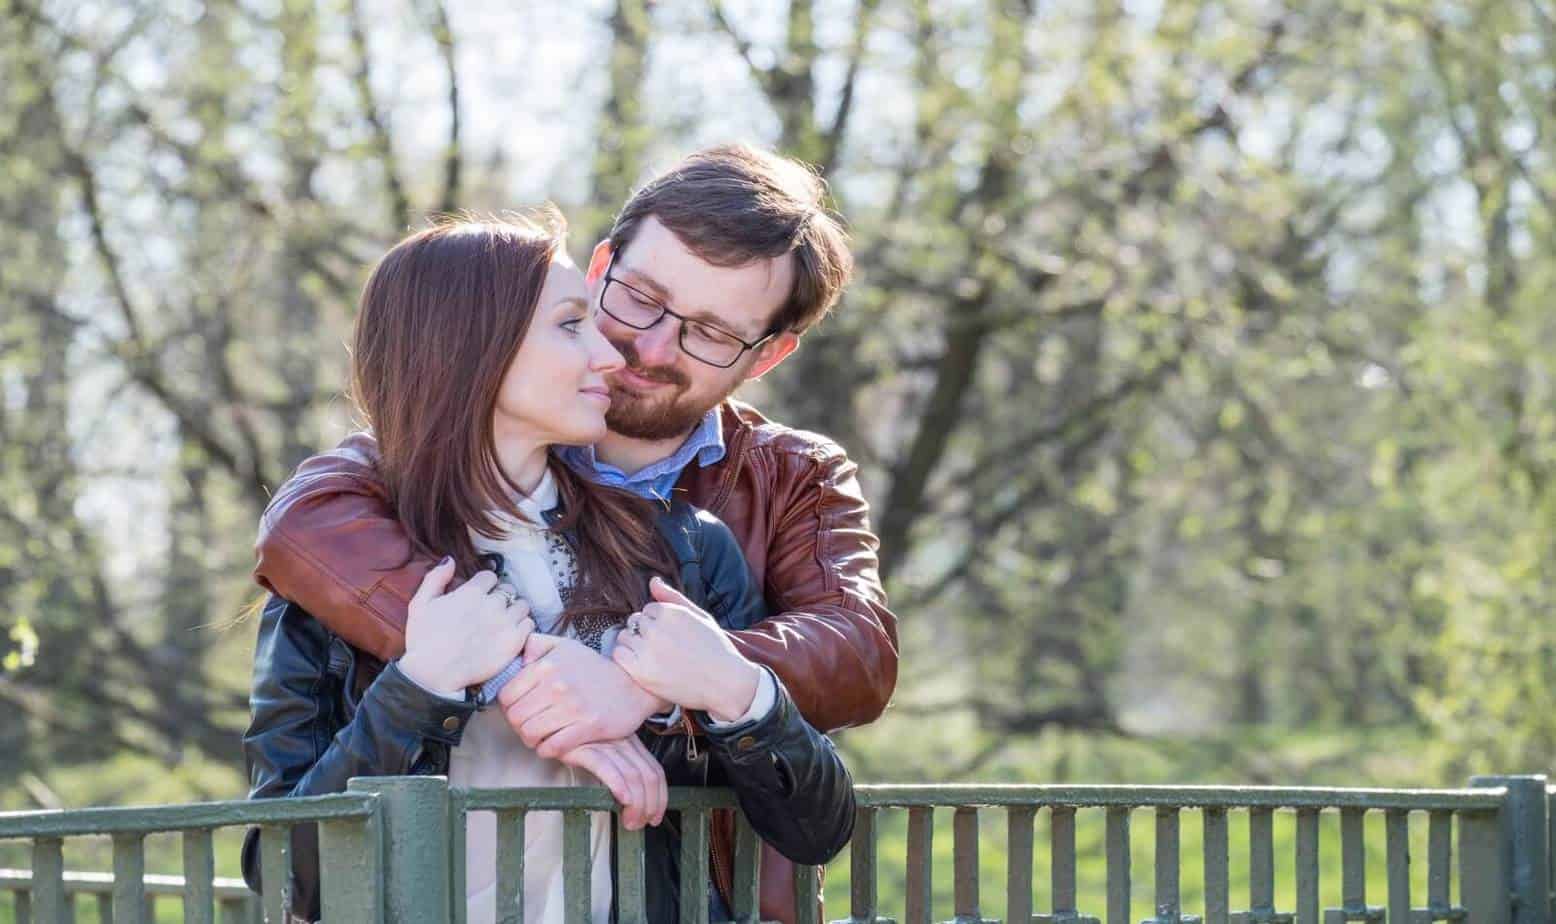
[329, 542]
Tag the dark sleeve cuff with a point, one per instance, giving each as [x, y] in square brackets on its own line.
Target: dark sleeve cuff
[407, 705]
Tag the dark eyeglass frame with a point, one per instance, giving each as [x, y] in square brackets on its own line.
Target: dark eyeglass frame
[666, 310]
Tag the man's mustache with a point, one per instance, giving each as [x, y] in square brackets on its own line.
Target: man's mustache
[666, 374]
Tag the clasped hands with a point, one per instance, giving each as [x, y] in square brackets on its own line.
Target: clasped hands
[570, 703]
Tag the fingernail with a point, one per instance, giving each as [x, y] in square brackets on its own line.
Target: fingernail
[447, 560]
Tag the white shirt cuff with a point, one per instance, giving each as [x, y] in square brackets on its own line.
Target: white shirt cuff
[667, 719]
[761, 704]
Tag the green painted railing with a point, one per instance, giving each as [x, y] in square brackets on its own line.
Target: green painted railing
[393, 850]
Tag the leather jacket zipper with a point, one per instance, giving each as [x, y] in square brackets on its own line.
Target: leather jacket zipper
[722, 872]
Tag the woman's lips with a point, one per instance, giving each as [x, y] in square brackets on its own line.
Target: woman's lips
[598, 391]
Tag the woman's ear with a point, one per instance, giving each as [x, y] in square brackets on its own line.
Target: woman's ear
[598, 261]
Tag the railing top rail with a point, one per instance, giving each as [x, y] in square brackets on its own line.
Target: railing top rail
[1225, 797]
[150, 819]
[102, 883]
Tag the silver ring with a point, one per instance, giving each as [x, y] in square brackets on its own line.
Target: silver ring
[635, 629]
[508, 599]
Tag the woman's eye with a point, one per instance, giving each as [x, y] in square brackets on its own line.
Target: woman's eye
[571, 325]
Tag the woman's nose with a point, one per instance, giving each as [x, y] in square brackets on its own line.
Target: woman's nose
[603, 355]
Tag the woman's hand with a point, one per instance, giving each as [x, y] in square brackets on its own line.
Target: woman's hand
[456, 640]
[632, 775]
[677, 652]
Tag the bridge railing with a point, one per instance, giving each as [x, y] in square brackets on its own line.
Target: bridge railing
[393, 850]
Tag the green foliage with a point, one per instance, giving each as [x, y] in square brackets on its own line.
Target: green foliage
[1197, 363]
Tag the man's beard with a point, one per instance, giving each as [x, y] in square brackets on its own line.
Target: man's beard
[655, 417]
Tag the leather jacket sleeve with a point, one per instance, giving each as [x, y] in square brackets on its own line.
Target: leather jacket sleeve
[787, 776]
[796, 505]
[301, 742]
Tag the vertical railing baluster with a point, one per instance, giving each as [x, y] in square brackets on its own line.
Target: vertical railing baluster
[275, 847]
[964, 850]
[748, 872]
[807, 894]
[459, 858]
[48, 879]
[199, 877]
[577, 865]
[1061, 841]
[1397, 845]
[22, 906]
[1118, 865]
[1353, 863]
[510, 866]
[105, 907]
[1218, 901]
[1168, 904]
[129, 877]
[694, 866]
[351, 870]
[1307, 866]
[862, 869]
[1019, 820]
[631, 893]
[920, 898]
[149, 909]
[1261, 861]
[1524, 830]
[234, 910]
[1439, 862]
[1483, 875]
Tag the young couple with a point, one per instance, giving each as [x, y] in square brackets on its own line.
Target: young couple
[563, 554]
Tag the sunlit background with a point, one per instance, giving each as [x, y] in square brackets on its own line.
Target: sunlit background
[1199, 362]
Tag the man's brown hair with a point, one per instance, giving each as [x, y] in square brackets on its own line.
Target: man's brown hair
[734, 204]
[440, 320]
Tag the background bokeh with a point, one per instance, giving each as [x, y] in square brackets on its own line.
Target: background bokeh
[1199, 363]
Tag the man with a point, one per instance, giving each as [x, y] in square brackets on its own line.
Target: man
[710, 275]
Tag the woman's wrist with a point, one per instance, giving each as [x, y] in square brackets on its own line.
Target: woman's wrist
[733, 696]
[429, 678]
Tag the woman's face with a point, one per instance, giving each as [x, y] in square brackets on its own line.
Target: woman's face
[554, 390]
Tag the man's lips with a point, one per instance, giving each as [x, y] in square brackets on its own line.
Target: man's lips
[635, 381]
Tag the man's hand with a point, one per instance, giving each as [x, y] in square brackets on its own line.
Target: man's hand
[677, 652]
[570, 695]
[632, 775]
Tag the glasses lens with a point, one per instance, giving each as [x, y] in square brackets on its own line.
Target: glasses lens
[710, 344]
[628, 307]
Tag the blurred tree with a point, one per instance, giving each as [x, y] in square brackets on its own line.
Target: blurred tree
[1196, 364]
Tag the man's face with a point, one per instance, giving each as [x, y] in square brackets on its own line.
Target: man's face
[661, 393]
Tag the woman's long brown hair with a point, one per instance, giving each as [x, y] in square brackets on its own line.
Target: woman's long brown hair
[440, 320]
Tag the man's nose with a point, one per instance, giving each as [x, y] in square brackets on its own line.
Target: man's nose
[659, 345]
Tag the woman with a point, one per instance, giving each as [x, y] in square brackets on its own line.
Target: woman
[475, 353]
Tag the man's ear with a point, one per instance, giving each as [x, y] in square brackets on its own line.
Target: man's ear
[598, 261]
[773, 352]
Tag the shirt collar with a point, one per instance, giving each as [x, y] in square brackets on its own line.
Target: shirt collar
[705, 445]
[535, 504]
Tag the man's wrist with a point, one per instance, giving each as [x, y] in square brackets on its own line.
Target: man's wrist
[736, 698]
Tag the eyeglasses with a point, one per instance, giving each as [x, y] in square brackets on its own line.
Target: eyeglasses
[700, 340]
